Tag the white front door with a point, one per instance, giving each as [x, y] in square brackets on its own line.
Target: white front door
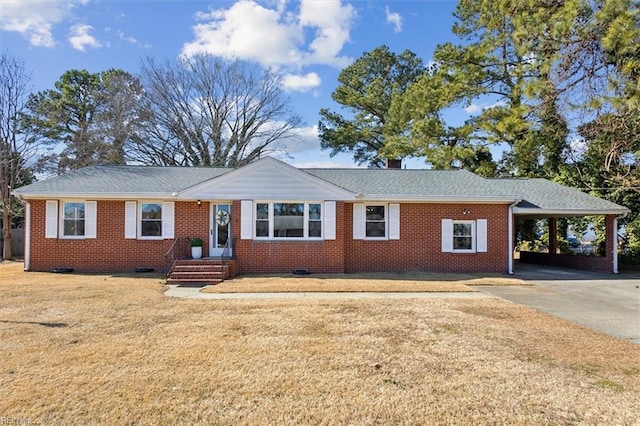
[220, 230]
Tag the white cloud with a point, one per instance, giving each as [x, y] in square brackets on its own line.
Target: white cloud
[122, 36]
[302, 151]
[394, 19]
[274, 36]
[80, 39]
[307, 139]
[477, 108]
[301, 83]
[473, 109]
[34, 21]
[247, 31]
[332, 23]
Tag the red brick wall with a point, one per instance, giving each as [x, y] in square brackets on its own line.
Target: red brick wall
[420, 243]
[110, 251]
[193, 221]
[577, 261]
[418, 249]
[286, 256]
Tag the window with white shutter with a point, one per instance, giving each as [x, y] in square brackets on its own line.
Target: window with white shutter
[464, 236]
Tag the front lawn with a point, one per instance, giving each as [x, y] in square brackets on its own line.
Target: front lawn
[364, 282]
[99, 349]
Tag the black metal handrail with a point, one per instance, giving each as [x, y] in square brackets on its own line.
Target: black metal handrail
[225, 253]
[173, 253]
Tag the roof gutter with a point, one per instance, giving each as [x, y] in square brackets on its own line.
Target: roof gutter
[96, 196]
[434, 199]
[567, 212]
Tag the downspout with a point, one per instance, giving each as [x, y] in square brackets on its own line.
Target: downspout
[27, 235]
[615, 241]
[510, 232]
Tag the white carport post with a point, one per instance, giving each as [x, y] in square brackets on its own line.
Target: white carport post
[615, 241]
[614, 244]
[510, 232]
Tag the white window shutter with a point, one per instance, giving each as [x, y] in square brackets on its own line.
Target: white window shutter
[481, 235]
[394, 221]
[447, 235]
[168, 220]
[330, 220]
[90, 219]
[130, 219]
[358, 221]
[51, 221]
[246, 219]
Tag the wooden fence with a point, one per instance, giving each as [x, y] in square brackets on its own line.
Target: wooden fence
[17, 242]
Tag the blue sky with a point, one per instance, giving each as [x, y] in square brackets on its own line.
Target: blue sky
[309, 41]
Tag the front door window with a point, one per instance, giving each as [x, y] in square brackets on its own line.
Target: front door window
[220, 229]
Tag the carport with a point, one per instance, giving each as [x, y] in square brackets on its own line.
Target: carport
[543, 199]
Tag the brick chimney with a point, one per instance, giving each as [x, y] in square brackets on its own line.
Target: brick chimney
[394, 164]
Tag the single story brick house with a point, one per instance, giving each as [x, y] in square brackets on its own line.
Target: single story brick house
[273, 217]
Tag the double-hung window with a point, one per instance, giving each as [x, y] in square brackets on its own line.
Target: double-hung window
[262, 220]
[288, 220]
[73, 219]
[315, 220]
[151, 220]
[464, 236]
[375, 221]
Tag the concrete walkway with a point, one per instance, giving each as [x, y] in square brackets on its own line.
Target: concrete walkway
[194, 293]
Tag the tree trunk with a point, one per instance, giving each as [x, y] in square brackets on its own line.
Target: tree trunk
[6, 232]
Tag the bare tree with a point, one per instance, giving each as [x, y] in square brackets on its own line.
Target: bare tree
[206, 111]
[16, 148]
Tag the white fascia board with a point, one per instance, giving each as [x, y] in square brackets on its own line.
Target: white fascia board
[567, 212]
[436, 199]
[97, 196]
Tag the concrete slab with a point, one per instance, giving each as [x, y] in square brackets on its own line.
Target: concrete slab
[605, 302]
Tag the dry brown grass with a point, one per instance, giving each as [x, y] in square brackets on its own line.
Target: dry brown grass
[378, 282]
[80, 349]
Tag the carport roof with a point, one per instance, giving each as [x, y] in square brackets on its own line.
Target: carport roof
[543, 198]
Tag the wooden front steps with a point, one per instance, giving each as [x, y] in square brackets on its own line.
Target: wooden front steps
[203, 272]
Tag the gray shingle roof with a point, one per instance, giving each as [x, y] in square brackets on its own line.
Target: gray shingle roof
[543, 194]
[123, 180]
[410, 183]
[537, 195]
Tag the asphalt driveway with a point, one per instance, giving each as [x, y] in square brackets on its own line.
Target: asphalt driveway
[605, 302]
